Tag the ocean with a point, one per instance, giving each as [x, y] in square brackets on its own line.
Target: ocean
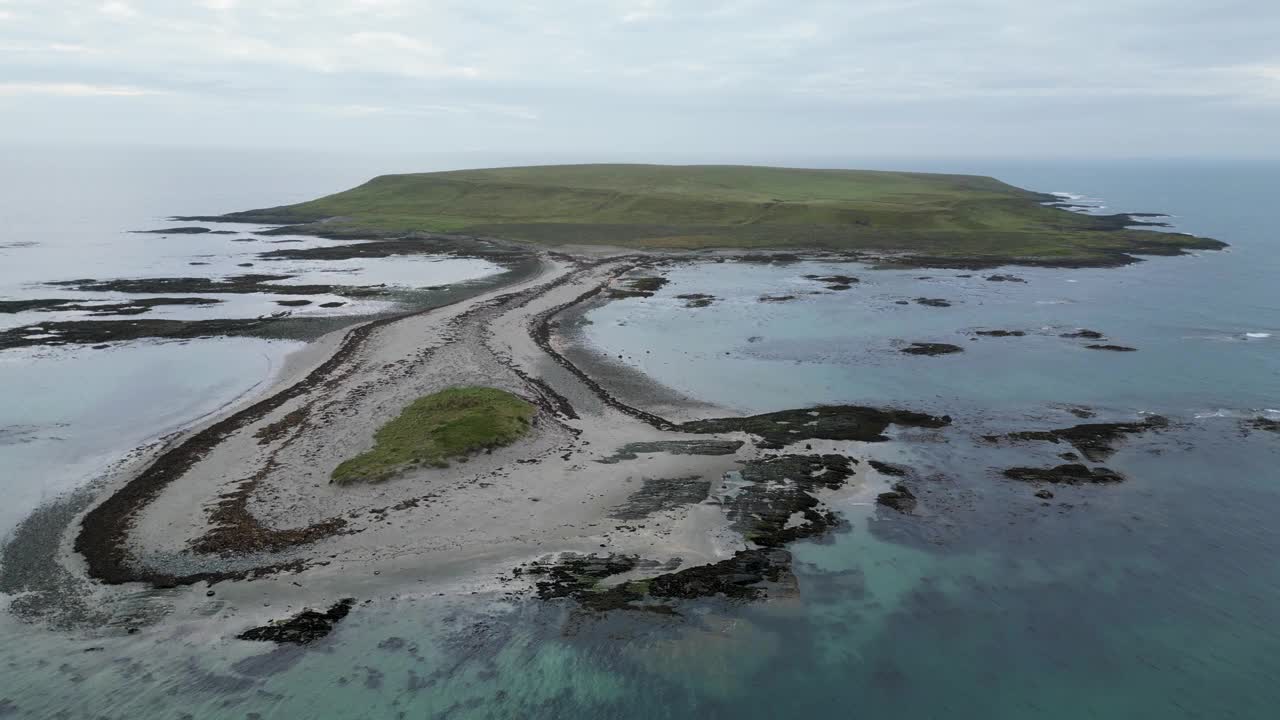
[1157, 597]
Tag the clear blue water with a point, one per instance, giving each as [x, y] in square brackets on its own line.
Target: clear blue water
[1155, 598]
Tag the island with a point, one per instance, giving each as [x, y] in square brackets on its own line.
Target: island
[459, 445]
[926, 219]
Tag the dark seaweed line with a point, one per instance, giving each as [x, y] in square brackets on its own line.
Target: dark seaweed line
[540, 330]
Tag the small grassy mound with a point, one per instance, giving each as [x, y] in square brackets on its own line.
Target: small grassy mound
[432, 429]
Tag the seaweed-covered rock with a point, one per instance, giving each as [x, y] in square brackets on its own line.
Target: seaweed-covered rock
[825, 422]
[1096, 441]
[900, 498]
[1084, 334]
[890, 469]
[97, 332]
[248, 283]
[188, 230]
[658, 494]
[696, 300]
[1262, 423]
[1071, 474]
[834, 282]
[132, 306]
[777, 492]
[641, 287]
[931, 349]
[631, 451]
[737, 578]
[781, 492]
[303, 628]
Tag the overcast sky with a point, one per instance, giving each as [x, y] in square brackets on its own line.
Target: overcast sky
[757, 77]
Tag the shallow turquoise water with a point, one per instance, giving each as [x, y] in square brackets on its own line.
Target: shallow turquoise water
[1156, 598]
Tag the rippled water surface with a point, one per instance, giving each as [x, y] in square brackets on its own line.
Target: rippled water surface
[1155, 598]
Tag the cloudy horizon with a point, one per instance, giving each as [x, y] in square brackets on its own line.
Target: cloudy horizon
[612, 78]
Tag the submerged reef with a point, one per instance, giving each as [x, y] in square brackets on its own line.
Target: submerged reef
[923, 348]
[826, 422]
[1096, 441]
[302, 629]
[1071, 474]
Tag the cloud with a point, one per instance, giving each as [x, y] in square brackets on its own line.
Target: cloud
[68, 89]
[436, 110]
[677, 71]
[117, 9]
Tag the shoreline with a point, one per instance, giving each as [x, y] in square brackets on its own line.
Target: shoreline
[236, 502]
[239, 497]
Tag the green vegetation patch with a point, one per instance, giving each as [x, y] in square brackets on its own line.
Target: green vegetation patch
[943, 217]
[433, 429]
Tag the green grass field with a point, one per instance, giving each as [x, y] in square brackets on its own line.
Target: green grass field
[698, 207]
[432, 430]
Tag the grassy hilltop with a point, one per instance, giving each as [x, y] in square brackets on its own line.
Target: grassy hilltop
[957, 217]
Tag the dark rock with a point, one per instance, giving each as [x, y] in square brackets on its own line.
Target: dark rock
[247, 283]
[900, 498]
[781, 487]
[134, 306]
[658, 494]
[641, 287]
[885, 468]
[931, 349]
[1044, 494]
[631, 451]
[776, 490]
[1005, 278]
[380, 248]
[1084, 334]
[1262, 423]
[332, 304]
[776, 298]
[825, 422]
[99, 332]
[303, 628]
[175, 231]
[1000, 333]
[1072, 474]
[1095, 440]
[1112, 348]
[697, 300]
[834, 282]
[932, 302]
[293, 303]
